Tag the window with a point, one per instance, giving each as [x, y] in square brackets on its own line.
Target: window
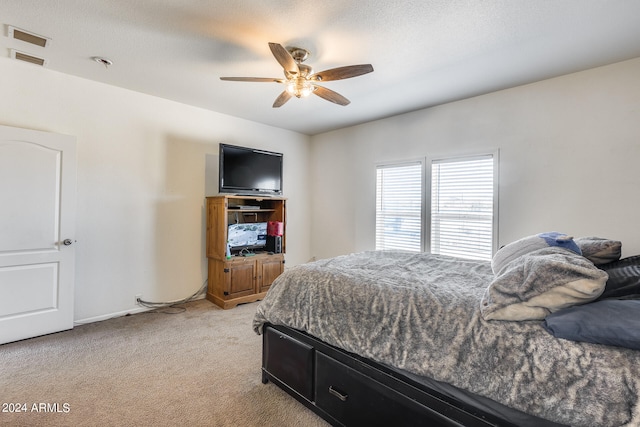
[399, 206]
[462, 207]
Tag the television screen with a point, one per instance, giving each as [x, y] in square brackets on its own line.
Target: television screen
[249, 171]
[247, 235]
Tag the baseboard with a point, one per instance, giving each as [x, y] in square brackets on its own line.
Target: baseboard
[117, 314]
[110, 316]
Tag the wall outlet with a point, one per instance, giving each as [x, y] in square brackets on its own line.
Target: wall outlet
[137, 299]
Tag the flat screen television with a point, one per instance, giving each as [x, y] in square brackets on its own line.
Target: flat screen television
[249, 171]
[247, 235]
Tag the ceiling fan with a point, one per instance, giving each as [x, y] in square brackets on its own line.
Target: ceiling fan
[300, 80]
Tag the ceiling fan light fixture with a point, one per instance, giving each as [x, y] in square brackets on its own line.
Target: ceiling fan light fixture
[299, 87]
[299, 79]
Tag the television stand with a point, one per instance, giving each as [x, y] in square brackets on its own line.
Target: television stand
[239, 279]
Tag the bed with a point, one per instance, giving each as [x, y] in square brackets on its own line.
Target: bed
[384, 337]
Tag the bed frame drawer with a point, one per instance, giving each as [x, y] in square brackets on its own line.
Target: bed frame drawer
[356, 399]
[290, 361]
[347, 390]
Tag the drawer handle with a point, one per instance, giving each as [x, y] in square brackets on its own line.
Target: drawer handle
[337, 394]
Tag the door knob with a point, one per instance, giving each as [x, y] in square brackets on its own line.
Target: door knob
[67, 242]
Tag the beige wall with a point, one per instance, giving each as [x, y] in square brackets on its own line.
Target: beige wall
[569, 156]
[144, 168]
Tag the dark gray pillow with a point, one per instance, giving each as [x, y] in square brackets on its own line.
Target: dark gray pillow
[610, 322]
[599, 250]
[624, 278]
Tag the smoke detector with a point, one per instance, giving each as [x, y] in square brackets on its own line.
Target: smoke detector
[104, 61]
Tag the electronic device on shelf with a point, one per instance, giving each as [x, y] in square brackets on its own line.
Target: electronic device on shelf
[244, 207]
[249, 171]
[275, 231]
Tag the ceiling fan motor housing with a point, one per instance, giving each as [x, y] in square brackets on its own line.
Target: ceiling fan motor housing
[298, 54]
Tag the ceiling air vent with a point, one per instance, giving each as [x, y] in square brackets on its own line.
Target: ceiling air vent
[25, 36]
[21, 56]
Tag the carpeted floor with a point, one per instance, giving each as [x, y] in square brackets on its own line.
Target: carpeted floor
[200, 367]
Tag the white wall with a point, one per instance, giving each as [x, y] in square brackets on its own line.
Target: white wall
[142, 179]
[569, 150]
[569, 159]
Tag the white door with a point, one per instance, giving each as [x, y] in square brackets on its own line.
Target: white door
[37, 226]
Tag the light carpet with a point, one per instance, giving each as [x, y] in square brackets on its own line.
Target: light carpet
[200, 367]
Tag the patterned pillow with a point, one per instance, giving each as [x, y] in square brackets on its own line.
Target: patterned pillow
[513, 250]
[599, 250]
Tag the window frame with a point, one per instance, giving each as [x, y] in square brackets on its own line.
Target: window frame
[423, 195]
[495, 155]
[426, 192]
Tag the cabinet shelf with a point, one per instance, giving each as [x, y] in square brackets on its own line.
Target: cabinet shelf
[250, 210]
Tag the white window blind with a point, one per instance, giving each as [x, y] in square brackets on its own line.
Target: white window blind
[462, 217]
[399, 206]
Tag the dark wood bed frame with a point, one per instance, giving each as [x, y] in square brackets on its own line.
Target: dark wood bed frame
[348, 390]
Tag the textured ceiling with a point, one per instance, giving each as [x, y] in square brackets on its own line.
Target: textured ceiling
[424, 52]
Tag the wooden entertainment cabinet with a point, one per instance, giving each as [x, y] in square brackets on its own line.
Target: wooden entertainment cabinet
[243, 277]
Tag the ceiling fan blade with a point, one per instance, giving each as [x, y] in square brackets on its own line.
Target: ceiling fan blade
[284, 58]
[281, 99]
[342, 72]
[252, 79]
[330, 95]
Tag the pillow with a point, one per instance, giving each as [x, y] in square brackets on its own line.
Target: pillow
[611, 322]
[541, 282]
[624, 278]
[513, 250]
[599, 250]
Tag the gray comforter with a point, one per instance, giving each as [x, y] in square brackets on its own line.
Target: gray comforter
[421, 313]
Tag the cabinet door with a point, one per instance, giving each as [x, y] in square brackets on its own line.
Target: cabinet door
[269, 269]
[240, 279]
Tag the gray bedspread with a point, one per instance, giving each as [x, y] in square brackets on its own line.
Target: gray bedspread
[421, 313]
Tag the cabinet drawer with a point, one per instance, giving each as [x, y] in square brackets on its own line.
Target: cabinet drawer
[358, 400]
[290, 361]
